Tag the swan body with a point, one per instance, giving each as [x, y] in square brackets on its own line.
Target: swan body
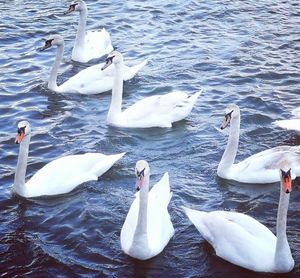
[291, 124]
[147, 228]
[61, 175]
[88, 81]
[91, 44]
[259, 168]
[154, 111]
[243, 241]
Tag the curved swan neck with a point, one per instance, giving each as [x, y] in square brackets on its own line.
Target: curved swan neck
[19, 181]
[115, 108]
[283, 256]
[80, 35]
[52, 84]
[230, 152]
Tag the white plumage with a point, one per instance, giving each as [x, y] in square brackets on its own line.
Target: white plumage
[91, 44]
[243, 241]
[153, 111]
[61, 175]
[91, 80]
[144, 239]
[291, 124]
[258, 168]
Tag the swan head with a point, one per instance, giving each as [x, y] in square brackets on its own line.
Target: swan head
[76, 6]
[286, 180]
[55, 40]
[24, 129]
[114, 57]
[142, 170]
[231, 111]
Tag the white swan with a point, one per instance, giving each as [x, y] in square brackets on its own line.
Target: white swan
[259, 168]
[60, 175]
[88, 81]
[91, 44]
[147, 228]
[154, 111]
[243, 241]
[292, 124]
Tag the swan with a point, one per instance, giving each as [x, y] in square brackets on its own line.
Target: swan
[147, 228]
[243, 241]
[292, 124]
[88, 81]
[91, 44]
[154, 111]
[61, 175]
[259, 168]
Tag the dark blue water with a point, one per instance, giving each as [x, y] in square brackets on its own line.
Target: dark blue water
[246, 52]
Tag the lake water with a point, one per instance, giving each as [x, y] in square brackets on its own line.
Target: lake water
[243, 52]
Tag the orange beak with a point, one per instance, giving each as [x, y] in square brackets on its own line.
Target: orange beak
[19, 137]
[139, 182]
[287, 184]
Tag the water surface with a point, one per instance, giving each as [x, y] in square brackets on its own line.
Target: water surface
[243, 52]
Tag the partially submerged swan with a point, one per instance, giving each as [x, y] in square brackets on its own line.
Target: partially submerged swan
[291, 124]
[147, 228]
[88, 81]
[243, 241]
[258, 168]
[154, 111]
[61, 175]
[88, 45]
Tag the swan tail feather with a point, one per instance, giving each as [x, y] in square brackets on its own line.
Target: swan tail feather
[161, 191]
[134, 69]
[104, 165]
[198, 219]
[194, 97]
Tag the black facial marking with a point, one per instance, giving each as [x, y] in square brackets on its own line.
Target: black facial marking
[228, 115]
[287, 174]
[21, 130]
[109, 59]
[72, 6]
[140, 174]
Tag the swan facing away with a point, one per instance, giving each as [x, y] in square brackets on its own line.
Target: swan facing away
[258, 168]
[61, 175]
[88, 81]
[154, 111]
[88, 45]
[292, 124]
[243, 241]
[147, 228]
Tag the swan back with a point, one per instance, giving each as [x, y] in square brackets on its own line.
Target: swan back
[292, 124]
[237, 238]
[62, 175]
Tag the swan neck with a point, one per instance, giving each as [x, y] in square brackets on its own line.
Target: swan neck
[141, 228]
[230, 152]
[80, 35]
[19, 181]
[115, 108]
[140, 237]
[283, 256]
[52, 84]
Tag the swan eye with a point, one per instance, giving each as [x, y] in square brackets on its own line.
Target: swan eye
[21, 130]
[109, 59]
[72, 6]
[228, 115]
[140, 174]
[49, 42]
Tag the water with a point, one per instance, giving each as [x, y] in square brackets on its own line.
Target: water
[246, 52]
